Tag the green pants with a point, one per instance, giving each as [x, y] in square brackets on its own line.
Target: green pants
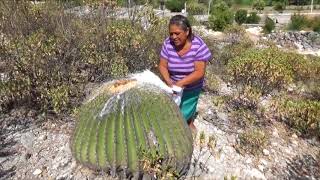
[189, 103]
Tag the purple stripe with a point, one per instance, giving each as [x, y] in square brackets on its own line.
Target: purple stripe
[181, 67]
[189, 65]
[173, 73]
[164, 56]
[178, 61]
[202, 53]
[202, 48]
[206, 58]
[175, 78]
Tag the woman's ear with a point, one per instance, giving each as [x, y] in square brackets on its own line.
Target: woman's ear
[188, 31]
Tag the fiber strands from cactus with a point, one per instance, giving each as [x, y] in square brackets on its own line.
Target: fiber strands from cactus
[123, 123]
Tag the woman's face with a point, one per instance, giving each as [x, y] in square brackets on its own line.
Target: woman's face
[177, 35]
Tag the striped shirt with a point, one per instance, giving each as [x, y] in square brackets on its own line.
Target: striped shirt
[181, 66]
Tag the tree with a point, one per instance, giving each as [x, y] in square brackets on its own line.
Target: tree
[220, 17]
[241, 16]
[258, 5]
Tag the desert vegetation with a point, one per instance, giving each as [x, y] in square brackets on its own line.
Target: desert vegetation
[50, 55]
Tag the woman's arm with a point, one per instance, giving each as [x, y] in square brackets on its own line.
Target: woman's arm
[163, 69]
[197, 74]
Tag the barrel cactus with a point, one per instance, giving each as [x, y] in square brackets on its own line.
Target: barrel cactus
[123, 120]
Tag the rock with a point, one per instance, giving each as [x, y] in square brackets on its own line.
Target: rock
[294, 142]
[248, 161]
[254, 174]
[264, 162]
[43, 137]
[37, 172]
[260, 167]
[294, 135]
[266, 152]
[275, 133]
[27, 140]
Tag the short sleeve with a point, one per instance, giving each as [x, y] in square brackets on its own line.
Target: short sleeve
[203, 53]
[164, 52]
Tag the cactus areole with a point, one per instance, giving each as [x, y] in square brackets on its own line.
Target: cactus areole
[124, 119]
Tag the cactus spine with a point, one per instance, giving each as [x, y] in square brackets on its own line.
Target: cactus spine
[113, 128]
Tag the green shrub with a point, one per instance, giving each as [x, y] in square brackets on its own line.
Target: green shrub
[241, 16]
[265, 69]
[175, 5]
[244, 117]
[315, 24]
[253, 141]
[269, 25]
[195, 8]
[221, 16]
[212, 81]
[253, 18]
[303, 115]
[238, 43]
[279, 6]
[298, 22]
[258, 5]
[50, 55]
[247, 97]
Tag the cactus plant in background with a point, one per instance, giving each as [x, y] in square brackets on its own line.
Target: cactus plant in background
[125, 118]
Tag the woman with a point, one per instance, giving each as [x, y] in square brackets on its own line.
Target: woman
[183, 61]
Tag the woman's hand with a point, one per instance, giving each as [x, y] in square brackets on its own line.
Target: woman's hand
[163, 69]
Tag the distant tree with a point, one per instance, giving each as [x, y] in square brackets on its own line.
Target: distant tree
[269, 25]
[280, 5]
[175, 5]
[221, 16]
[258, 5]
[241, 16]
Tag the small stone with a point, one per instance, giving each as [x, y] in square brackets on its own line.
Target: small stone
[266, 152]
[43, 137]
[274, 144]
[260, 167]
[294, 142]
[37, 172]
[249, 161]
[294, 135]
[275, 133]
[264, 162]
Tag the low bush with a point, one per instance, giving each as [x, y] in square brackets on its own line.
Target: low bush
[315, 24]
[303, 115]
[244, 117]
[241, 16]
[269, 25]
[253, 18]
[212, 81]
[298, 22]
[50, 55]
[265, 69]
[253, 141]
[237, 43]
[247, 97]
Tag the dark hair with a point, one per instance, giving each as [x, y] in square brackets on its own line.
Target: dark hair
[182, 22]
